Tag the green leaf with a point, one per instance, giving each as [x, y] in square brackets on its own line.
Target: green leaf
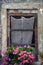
[32, 50]
[13, 46]
[17, 63]
[21, 49]
[10, 50]
[15, 58]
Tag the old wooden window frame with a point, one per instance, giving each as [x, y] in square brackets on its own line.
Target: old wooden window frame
[16, 13]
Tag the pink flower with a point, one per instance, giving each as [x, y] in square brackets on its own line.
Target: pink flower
[25, 46]
[31, 61]
[29, 53]
[17, 48]
[21, 53]
[28, 46]
[24, 61]
[32, 56]
[22, 56]
[16, 51]
[3, 52]
[28, 59]
[25, 52]
[19, 58]
[25, 55]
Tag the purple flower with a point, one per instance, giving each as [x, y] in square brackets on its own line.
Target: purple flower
[7, 58]
[20, 46]
[4, 63]
[3, 53]
[21, 63]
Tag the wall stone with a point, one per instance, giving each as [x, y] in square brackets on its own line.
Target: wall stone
[4, 28]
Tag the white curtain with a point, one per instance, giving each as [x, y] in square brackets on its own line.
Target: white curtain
[22, 37]
[16, 23]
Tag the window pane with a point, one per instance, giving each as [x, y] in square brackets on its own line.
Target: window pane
[22, 23]
[22, 37]
[16, 23]
[27, 37]
[28, 23]
[19, 37]
[16, 37]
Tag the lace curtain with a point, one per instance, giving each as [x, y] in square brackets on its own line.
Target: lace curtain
[21, 37]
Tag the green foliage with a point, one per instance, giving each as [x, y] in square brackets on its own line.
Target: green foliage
[21, 49]
[14, 57]
[13, 46]
[10, 50]
[31, 49]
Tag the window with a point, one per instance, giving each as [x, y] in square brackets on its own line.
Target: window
[22, 29]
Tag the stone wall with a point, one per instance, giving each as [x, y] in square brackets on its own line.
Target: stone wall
[3, 32]
[22, 6]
